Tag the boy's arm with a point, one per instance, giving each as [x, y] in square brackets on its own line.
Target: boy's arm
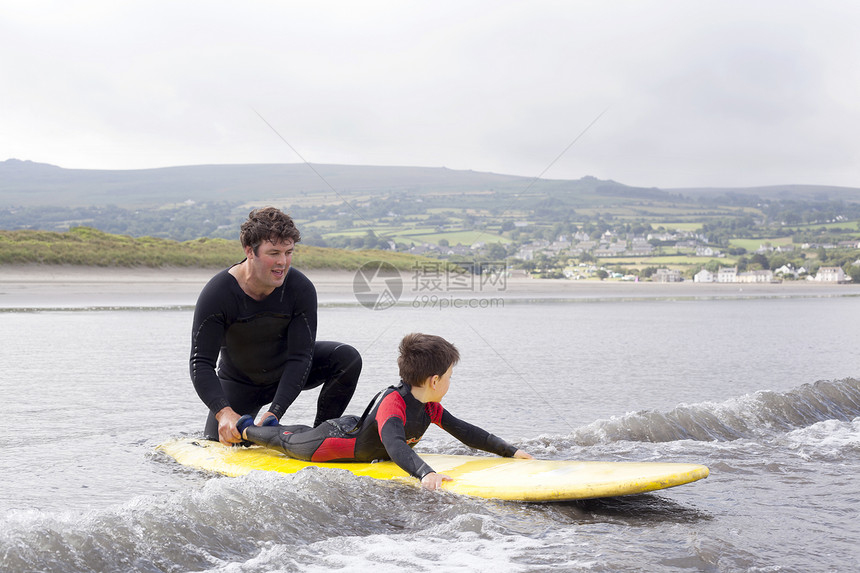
[390, 420]
[393, 438]
[475, 437]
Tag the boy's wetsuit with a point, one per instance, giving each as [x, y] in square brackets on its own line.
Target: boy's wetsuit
[246, 353]
[394, 424]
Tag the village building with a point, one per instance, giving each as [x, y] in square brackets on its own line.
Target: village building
[642, 249]
[764, 276]
[705, 251]
[459, 250]
[667, 276]
[424, 249]
[727, 275]
[830, 275]
[526, 254]
[663, 237]
[610, 250]
[789, 270]
[704, 276]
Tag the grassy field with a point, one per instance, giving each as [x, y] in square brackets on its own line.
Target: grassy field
[677, 226]
[90, 247]
[406, 234]
[825, 226]
[751, 245]
[453, 237]
[672, 261]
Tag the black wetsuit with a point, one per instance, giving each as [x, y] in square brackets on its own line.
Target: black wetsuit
[394, 423]
[268, 351]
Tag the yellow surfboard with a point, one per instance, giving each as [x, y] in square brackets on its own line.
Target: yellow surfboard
[487, 477]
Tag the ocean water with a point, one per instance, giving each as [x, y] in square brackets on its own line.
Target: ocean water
[763, 391]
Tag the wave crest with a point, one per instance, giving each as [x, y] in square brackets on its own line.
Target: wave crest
[748, 416]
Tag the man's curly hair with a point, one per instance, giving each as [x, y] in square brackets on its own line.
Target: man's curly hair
[268, 224]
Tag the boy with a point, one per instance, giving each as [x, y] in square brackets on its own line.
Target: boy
[393, 422]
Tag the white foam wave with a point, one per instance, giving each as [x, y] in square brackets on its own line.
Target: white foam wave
[749, 416]
[831, 440]
[467, 543]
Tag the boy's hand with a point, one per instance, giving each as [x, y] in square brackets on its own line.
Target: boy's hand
[523, 455]
[432, 481]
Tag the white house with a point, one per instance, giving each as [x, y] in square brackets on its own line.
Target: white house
[703, 276]
[786, 270]
[727, 275]
[756, 277]
[830, 275]
[707, 252]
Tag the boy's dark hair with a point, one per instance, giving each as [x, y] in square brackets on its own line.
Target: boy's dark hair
[423, 356]
[268, 224]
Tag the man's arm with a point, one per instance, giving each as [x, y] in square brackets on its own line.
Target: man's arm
[207, 335]
[301, 336]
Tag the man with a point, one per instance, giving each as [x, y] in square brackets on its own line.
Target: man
[260, 317]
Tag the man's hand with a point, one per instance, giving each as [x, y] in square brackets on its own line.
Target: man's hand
[227, 432]
[433, 481]
[523, 455]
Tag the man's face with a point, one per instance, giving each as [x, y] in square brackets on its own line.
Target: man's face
[270, 263]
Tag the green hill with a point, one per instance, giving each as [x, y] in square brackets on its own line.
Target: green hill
[374, 207]
[90, 247]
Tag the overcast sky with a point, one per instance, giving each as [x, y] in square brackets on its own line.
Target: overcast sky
[692, 93]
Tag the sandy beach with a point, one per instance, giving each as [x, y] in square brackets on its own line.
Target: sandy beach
[53, 286]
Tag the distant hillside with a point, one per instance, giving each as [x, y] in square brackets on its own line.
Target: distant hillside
[781, 192]
[373, 206]
[26, 183]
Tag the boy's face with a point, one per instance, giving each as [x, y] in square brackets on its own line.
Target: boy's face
[442, 383]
